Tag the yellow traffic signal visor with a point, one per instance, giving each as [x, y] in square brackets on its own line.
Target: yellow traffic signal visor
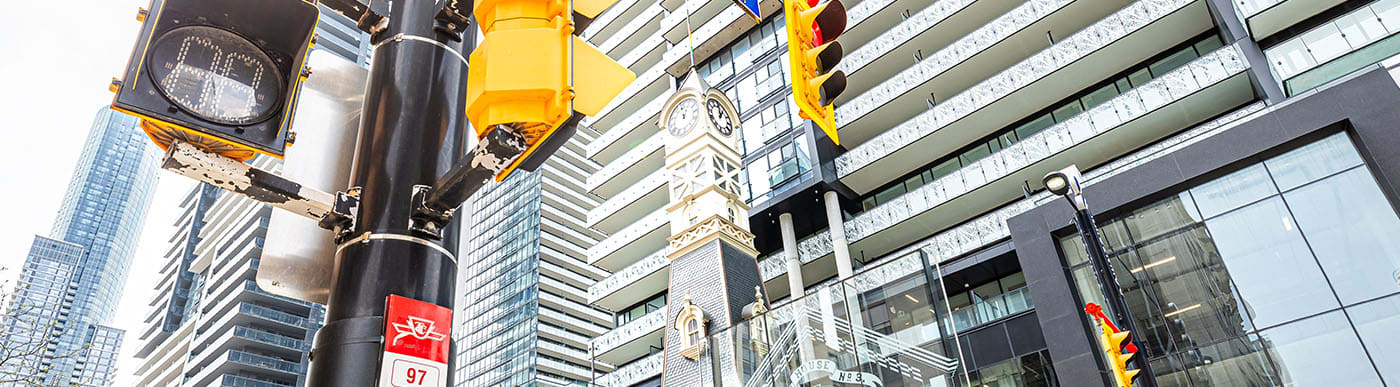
[828, 20]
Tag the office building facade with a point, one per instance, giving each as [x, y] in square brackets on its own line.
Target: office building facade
[1236, 155]
[209, 322]
[101, 214]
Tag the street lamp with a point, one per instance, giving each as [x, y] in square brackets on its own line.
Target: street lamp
[1068, 182]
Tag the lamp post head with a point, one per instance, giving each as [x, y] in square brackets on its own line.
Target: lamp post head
[1067, 182]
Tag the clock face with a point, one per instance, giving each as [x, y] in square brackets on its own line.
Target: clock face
[719, 117]
[683, 117]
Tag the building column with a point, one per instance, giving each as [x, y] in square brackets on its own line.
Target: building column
[1234, 31]
[837, 229]
[794, 262]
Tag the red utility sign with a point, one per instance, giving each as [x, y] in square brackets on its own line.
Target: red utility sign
[417, 336]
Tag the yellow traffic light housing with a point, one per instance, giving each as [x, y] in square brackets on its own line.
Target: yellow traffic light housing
[522, 75]
[221, 74]
[1117, 347]
[813, 54]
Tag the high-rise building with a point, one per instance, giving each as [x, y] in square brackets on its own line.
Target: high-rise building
[39, 306]
[100, 221]
[210, 323]
[1235, 156]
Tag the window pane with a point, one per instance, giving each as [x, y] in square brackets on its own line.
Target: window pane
[1313, 161]
[1184, 297]
[1319, 351]
[1039, 124]
[913, 183]
[889, 194]
[1036, 370]
[1166, 216]
[945, 168]
[1378, 321]
[1208, 45]
[975, 154]
[1103, 94]
[1353, 231]
[1270, 264]
[1233, 190]
[1235, 362]
[1140, 77]
[1172, 62]
[1013, 282]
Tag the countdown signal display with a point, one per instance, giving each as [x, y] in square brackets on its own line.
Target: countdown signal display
[221, 74]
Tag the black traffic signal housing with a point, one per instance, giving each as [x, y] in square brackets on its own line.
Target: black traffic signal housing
[221, 74]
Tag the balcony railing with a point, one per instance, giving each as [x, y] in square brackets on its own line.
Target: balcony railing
[1038, 66]
[991, 227]
[617, 240]
[273, 363]
[271, 338]
[622, 128]
[631, 194]
[239, 381]
[906, 30]
[286, 318]
[963, 49]
[634, 372]
[787, 170]
[642, 268]
[632, 330]
[1005, 304]
[1327, 52]
[610, 171]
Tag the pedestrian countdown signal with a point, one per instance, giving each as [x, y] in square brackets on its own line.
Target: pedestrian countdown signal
[220, 74]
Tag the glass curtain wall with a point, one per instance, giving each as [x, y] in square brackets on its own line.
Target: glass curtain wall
[879, 328]
[1282, 273]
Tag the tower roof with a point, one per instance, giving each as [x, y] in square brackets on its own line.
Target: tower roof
[695, 82]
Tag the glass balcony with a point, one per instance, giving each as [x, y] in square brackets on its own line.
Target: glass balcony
[883, 326]
[611, 253]
[625, 199]
[617, 167]
[628, 334]
[1069, 50]
[239, 381]
[787, 170]
[1337, 48]
[264, 362]
[634, 372]
[627, 276]
[266, 313]
[271, 338]
[1005, 304]
[991, 226]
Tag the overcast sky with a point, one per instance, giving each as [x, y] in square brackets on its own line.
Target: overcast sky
[62, 56]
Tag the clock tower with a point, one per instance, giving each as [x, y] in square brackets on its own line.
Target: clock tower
[714, 274]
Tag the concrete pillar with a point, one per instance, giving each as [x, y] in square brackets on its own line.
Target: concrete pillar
[794, 262]
[835, 224]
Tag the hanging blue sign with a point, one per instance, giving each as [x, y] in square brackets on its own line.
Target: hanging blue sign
[750, 7]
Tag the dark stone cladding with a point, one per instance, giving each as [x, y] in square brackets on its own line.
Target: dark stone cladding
[721, 280]
[1364, 106]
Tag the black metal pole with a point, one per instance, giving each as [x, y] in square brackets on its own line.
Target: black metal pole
[1108, 284]
[412, 131]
